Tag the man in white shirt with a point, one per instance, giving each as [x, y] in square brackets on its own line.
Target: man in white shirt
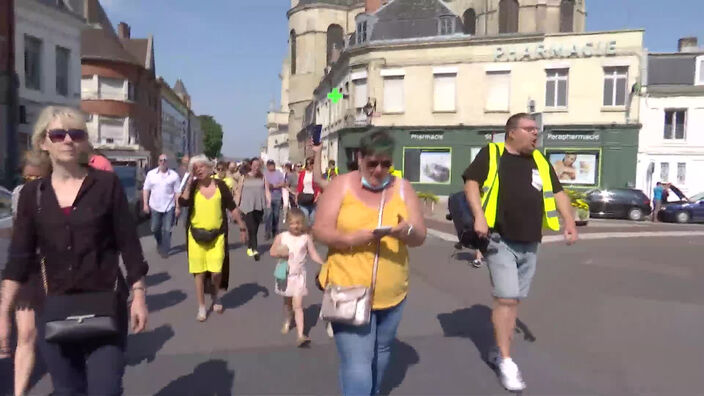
[161, 189]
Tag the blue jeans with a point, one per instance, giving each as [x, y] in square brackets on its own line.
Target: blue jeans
[271, 225]
[365, 351]
[309, 212]
[162, 223]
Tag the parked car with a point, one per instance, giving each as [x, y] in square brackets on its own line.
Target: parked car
[620, 203]
[5, 208]
[686, 210]
[128, 176]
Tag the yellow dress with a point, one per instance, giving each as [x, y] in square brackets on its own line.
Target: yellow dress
[228, 181]
[208, 215]
[353, 267]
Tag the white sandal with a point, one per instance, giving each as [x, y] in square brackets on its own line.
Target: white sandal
[202, 314]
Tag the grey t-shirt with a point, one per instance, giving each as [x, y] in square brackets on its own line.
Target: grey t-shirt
[253, 195]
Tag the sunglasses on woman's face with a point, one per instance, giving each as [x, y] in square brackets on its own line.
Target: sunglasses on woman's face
[59, 135]
[372, 164]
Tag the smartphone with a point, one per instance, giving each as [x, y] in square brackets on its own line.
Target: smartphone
[382, 231]
[315, 134]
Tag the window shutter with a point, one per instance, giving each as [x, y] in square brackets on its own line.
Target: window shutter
[360, 93]
[393, 94]
[499, 87]
[445, 96]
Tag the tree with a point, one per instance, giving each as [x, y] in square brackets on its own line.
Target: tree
[212, 136]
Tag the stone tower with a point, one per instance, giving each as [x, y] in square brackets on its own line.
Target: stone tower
[492, 17]
[318, 30]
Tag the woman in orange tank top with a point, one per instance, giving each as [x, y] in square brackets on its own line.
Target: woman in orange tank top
[347, 216]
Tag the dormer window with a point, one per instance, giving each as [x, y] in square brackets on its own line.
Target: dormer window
[446, 25]
[362, 32]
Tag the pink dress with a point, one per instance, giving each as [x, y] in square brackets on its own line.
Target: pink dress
[297, 254]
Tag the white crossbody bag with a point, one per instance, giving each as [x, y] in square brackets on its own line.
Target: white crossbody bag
[352, 305]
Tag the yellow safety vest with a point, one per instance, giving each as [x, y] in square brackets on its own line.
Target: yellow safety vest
[490, 195]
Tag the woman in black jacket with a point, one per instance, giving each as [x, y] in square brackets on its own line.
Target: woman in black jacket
[208, 200]
[72, 227]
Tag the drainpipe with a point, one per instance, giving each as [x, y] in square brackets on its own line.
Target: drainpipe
[486, 17]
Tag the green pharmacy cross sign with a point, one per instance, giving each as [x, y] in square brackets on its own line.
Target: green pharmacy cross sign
[335, 95]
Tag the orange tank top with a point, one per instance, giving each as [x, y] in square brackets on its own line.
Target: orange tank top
[353, 267]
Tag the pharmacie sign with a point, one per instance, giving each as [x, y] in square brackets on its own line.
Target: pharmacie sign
[573, 137]
[555, 51]
[427, 136]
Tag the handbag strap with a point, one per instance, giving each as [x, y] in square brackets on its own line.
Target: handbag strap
[378, 245]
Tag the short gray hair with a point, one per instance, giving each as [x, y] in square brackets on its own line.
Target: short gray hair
[200, 159]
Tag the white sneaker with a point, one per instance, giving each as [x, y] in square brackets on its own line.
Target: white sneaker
[511, 376]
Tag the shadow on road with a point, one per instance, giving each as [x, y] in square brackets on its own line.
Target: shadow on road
[210, 378]
[242, 294]
[310, 317]
[475, 323]
[157, 302]
[158, 278]
[402, 357]
[145, 346]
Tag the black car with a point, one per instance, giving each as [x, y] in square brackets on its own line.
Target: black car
[620, 203]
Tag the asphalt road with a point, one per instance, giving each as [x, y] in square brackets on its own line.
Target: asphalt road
[607, 316]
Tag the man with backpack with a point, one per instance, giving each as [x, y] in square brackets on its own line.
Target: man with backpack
[514, 193]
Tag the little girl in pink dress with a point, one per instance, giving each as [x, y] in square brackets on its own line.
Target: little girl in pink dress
[294, 245]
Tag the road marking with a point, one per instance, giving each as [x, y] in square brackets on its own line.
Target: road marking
[590, 236]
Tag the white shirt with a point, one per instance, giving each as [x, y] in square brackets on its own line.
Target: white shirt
[308, 183]
[163, 187]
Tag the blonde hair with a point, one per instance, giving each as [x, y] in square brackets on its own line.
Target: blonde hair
[68, 115]
[200, 159]
[35, 158]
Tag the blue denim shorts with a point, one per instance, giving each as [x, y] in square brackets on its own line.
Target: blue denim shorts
[511, 266]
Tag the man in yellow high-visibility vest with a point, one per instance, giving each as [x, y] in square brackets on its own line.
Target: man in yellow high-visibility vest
[514, 193]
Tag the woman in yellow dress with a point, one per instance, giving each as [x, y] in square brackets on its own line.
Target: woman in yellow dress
[208, 199]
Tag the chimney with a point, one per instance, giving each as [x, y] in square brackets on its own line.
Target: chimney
[372, 5]
[91, 11]
[687, 44]
[123, 30]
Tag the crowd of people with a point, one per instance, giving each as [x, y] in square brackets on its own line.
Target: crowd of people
[73, 223]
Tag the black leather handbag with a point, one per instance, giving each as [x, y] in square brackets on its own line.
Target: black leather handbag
[78, 317]
[306, 199]
[202, 235]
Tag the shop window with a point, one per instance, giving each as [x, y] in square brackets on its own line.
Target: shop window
[575, 167]
[615, 86]
[32, 63]
[665, 172]
[427, 165]
[681, 172]
[567, 16]
[63, 56]
[498, 90]
[699, 74]
[469, 19]
[556, 88]
[508, 16]
[445, 88]
[393, 94]
[675, 124]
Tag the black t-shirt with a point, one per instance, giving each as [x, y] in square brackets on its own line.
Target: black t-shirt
[519, 214]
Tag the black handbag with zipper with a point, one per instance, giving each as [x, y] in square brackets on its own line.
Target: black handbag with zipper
[78, 317]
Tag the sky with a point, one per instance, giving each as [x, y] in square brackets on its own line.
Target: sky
[229, 52]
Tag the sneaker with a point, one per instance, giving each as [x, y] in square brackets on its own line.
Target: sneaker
[202, 314]
[256, 255]
[510, 375]
[250, 252]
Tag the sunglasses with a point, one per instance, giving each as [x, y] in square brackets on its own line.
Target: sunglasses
[372, 164]
[59, 135]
